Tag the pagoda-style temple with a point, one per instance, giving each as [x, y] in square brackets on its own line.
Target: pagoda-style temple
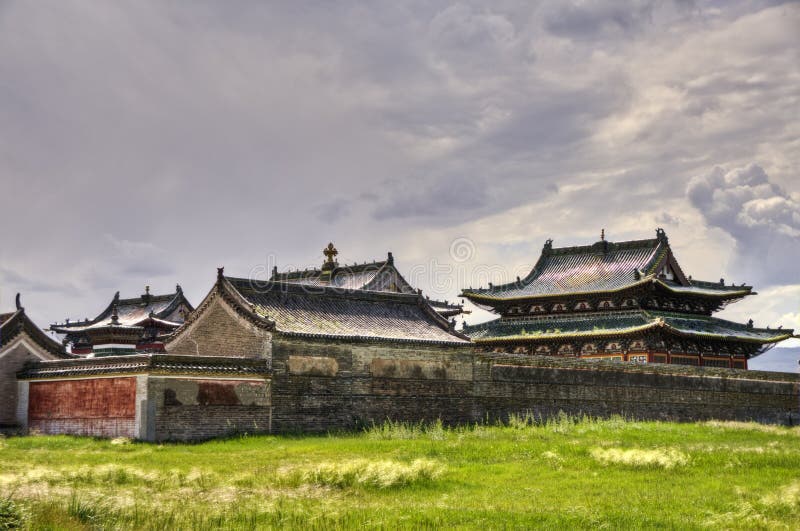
[624, 301]
[378, 275]
[126, 326]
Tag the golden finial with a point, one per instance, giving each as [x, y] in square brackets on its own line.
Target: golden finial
[330, 253]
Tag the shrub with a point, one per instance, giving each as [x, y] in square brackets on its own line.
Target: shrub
[12, 515]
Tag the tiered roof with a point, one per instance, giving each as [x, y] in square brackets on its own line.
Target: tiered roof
[146, 310]
[604, 267]
[621, 323]
[14, 323]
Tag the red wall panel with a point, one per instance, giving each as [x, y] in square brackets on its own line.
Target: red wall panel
[101, 398]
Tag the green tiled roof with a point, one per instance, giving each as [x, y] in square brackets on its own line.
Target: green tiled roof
[619, 323]
[604, 266]
[601, 267]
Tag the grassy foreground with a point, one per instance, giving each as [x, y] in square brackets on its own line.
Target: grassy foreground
[567, 473]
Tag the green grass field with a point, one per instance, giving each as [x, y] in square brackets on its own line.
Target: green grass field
[567, 473]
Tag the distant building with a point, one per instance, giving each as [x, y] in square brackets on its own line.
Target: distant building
[379, 275]
[21, 342]
[625, 301]
[127, 325]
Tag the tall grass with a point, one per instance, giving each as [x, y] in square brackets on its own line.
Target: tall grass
[562, 472]
[381, 474]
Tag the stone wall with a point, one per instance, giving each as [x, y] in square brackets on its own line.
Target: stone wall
[193, 409]
[321, 385]
[545, 386]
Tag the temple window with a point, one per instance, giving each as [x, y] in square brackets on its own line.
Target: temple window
[583, 305]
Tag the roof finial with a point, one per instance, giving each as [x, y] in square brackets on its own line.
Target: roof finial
[220, 271]
[274, 272]
[178, 288]
[114, 314]
[548, 245]
[390, 258]
[147, 290]
[330, 253]
[602, 235]
[19, 305]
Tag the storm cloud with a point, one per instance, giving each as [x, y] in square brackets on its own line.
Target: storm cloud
[151, 142]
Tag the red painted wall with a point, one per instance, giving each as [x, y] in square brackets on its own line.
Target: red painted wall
[104, 407]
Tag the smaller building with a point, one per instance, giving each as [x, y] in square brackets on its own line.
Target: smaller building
[127, 325]
[21, 342]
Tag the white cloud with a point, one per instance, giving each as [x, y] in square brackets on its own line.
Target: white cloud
[763, 219]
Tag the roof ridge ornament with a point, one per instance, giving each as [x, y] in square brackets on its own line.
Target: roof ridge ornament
[114, 314]
[18, 303]
[330, 253]
[220, 272]
[389, 258]
[548, 245]
[661, 235]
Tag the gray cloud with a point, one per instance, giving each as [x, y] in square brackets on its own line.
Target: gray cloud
[763, 219]
[202, 134]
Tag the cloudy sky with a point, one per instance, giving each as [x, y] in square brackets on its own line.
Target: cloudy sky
[150, 142]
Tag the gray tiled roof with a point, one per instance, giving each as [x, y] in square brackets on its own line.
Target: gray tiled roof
[601, 267]
[13, 324]
[591, 268]
[356, 276]
[131, 312]
[353, 314]
[621, 322]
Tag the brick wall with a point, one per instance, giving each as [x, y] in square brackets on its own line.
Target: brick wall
[319, 385]
[218, 331]
[102, 407]
[194, 409]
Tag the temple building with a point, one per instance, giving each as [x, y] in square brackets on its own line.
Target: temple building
[379, 275]
[126, 326]
[624, 301]
[21, 342]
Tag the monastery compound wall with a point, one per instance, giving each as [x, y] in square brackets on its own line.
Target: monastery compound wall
[314, 387]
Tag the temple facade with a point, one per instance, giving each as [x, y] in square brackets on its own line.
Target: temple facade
[126, 326]
[621, 301]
